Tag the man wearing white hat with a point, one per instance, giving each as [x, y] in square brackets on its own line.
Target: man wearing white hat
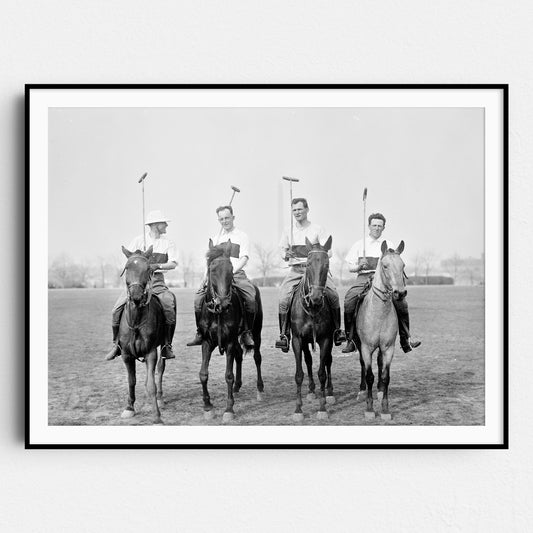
[164, 257]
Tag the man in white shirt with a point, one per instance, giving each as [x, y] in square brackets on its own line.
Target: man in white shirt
[164, 257]
[294, 250]
[363, 260]
[240, 253]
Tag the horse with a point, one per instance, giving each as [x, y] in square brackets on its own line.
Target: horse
[220, 325]
[312, 322]
[141, 331]
[376, 326]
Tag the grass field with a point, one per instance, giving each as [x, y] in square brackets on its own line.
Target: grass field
[440, 383]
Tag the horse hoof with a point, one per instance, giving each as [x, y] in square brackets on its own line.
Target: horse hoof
[158, 421]
[322, 415]
[361, 395]
[386, 416]
[298, 417]
[311, 396]
[127, 413]
[209, 415]
[330, 399]
[370, 415]
[260, 396]
[380, 396]
[161, 402]
[228, 417]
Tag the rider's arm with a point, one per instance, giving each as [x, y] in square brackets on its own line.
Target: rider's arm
[241, 263]
[170, 265]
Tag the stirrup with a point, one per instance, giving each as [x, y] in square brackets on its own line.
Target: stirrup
[166, 352]
[283, 343]
[338, 337]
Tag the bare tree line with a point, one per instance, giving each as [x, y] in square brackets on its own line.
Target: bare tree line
[104, 272]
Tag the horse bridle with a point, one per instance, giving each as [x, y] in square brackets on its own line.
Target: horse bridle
[215, 298]
[306, 295]
[384, 295]
[146, 291]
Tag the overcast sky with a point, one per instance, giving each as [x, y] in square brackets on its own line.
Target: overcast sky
[423, 168]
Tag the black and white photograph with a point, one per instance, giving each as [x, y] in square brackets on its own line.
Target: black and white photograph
[284, 266]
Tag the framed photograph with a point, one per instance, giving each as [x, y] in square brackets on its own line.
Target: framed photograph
[267, 266]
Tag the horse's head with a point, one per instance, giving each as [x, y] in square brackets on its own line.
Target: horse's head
[219, 275]
[392, 270]
[317, 269]
[138, 273]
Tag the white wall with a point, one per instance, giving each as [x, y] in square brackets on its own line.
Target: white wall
[251, 41]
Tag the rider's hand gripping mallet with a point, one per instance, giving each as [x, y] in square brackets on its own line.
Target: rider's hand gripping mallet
[364, 225]
[290, 180]
[141, 180]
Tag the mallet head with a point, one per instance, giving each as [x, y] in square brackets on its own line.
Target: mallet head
[287, 178]
[236, 189]
[142, 177]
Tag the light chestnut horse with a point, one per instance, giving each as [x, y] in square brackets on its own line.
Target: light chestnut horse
[377, 327]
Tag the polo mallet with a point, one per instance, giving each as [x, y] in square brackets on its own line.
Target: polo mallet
[291, 180]
[234, 189]
[364, 225]
[141, 180]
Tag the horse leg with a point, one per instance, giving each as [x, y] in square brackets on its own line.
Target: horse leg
[151, 389]
[369, 377]
[161, 364]
[129, 361]
[322, 412]
[387, 360]
[257, 360]
[362, 394]
[238, 368]
[298, 416]
[380, 371]
[230, 378]
[207, 349]
[309, 363]
[330, 398]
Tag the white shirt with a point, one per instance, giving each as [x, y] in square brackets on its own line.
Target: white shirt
[312, 231]
[240, 243]
[372, 250]
[164, 249]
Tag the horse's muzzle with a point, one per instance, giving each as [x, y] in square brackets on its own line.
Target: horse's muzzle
[399, 295]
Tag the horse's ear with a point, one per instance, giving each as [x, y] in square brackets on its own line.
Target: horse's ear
[227, 250]
[126, 252]
[308, 243]
[148, 252]
[211, 244]
[400, 248]
[383, 247]
[327, 245]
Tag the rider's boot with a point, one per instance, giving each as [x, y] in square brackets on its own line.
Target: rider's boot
[166, 350]
[198, 339]
[285, 336]
[406, 342]
[115, 351]
[247, 337]
[348, 323]
[338, 335]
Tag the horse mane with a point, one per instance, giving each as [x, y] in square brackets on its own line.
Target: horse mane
[213, 253]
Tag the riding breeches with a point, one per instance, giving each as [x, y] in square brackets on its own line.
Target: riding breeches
[244, 286]
[353, 293]
[289, 284]
[160, 291]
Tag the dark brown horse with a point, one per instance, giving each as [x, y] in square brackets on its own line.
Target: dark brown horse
[312, 323]
[220, 324]
[141, 330]
[377, 327]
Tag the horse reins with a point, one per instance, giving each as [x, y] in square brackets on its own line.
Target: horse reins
[306, 296]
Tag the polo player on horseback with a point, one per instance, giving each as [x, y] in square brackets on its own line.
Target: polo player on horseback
[363, 259]
[240, 253]
[164, 257]
[294, 251]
